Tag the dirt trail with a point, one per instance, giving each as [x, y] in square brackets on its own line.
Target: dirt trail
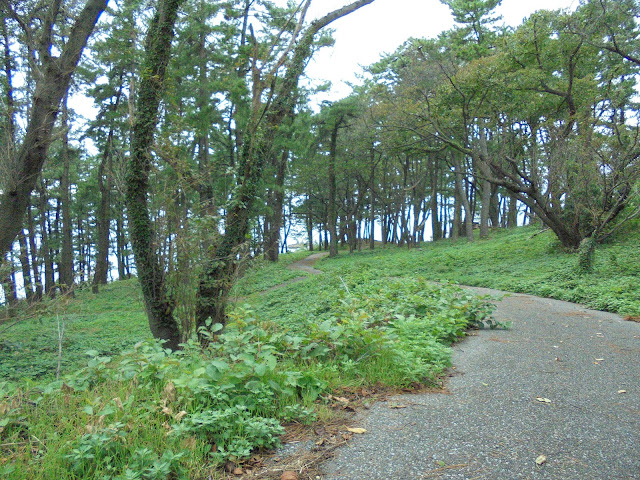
[306, 264]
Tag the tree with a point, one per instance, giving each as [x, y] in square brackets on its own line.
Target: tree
[260, 144]
[42, 36]
[151, 274]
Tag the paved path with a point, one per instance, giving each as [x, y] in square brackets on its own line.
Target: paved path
[492, 427]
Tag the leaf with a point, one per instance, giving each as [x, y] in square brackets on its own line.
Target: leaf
[543, 400]
[541, 460]
[622, 391]
[169, 392]
[397, 406]
[357, 430]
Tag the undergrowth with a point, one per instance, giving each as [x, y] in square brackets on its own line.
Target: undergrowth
[151, 414]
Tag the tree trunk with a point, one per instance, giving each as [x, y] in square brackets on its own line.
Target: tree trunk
[158, 305]
[66, 262]
[331, 173]
[512, 213]
[462, 195]
[435, 223]
[485, 206]
[103, 218]
[35, 260]
[49, 276]
[9, 286]
[272, 236]
[309, 224]
[120, 245]
[27, 279]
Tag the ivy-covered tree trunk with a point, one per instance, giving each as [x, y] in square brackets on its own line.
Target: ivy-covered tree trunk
[150, 272]
[259, 145]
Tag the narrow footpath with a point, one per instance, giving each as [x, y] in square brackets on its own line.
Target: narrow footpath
[555, 397]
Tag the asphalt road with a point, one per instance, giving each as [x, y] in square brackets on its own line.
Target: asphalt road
[585, 367]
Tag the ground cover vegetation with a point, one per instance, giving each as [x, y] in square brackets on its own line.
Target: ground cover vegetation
[374, 319]
[148, 412]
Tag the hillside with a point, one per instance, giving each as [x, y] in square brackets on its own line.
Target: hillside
[522, 260]
[293, 353]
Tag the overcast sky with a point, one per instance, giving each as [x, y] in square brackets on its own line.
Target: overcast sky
[363, 36]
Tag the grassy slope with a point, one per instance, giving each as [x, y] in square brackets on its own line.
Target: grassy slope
[108, 323]
[522, 260]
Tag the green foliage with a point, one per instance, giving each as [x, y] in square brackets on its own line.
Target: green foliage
[109, 323]
[151, 414]
[521, 260]
[263, 274]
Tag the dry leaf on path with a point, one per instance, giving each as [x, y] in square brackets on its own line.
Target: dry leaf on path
[356, 430]
[622, 391]
[543, 400]
[289, 475]
[396, 406]
[541, 459]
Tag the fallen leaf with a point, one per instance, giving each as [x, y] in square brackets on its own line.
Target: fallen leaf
[622, 391]
[237, 471]
[543, 400]
[289, 475]
[599, 359]
[396, 405]
[541, 459]
[170, 392]
[356, 430]
[180, 415]
[341, 399]
[167, 411]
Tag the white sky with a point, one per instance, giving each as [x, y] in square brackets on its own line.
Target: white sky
[381, 27]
